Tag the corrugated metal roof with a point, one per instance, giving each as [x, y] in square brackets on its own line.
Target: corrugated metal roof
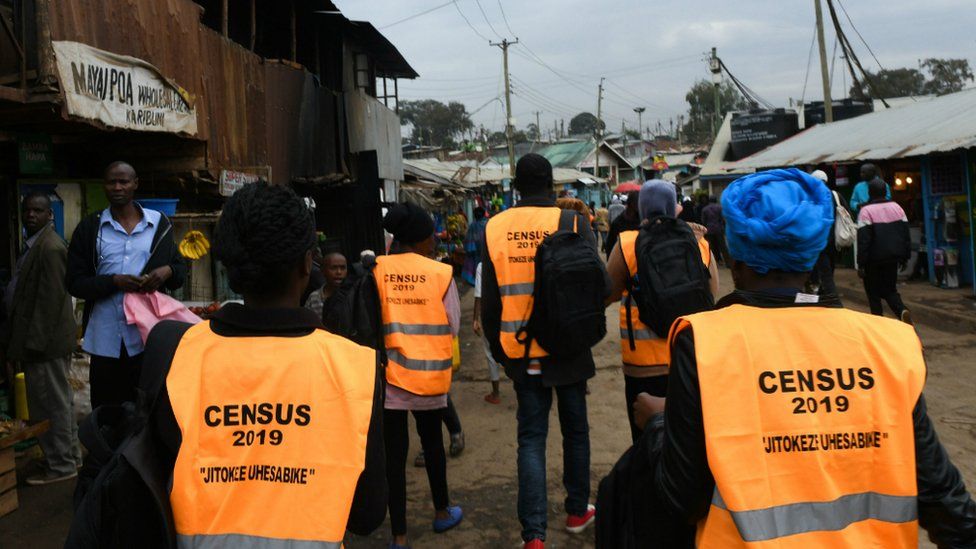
[942, 124]
[477, 176]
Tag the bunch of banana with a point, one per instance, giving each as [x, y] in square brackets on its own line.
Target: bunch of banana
[194, 245]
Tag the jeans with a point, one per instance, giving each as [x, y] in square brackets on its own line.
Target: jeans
[881, 282]
[633, 386]
[534, 403]
[49, 397]
[435, 460]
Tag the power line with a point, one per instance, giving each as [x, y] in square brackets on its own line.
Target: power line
[806, 77]
[485, 16]
[416, 15]
[505, 18]
[465, 17]
[849, 20]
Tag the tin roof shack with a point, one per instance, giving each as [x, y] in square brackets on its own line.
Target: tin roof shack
[199, 96]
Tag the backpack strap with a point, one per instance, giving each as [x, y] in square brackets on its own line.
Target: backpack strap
[567, 221]
[163, 341]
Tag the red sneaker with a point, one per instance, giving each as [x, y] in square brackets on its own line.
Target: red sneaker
[534, 544]
[575, 524]
[492, 399]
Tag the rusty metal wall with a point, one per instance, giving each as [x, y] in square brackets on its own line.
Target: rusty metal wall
[251, 112]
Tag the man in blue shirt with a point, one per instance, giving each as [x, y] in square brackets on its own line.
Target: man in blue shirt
[124, 248]
[860, 195]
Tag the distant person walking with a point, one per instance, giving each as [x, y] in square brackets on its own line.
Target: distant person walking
[627, 221]
[615, 209]
[860, 195]
[883, 247]
[473, 241]
[602, 224]
[40, 335]
[823, 272]
[494, 369]
[714, 221]
[421, 313]
[123, 248]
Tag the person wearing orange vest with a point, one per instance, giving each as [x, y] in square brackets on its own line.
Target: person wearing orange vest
[792, 422]
[645, 365]
[421, 314]
[508, 275]
[269, 427]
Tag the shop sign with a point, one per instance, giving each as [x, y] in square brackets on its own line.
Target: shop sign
[34, 153]
[121, 91]
[231, 181]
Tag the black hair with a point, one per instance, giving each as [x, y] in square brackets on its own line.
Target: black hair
[533, 174]
[36, 194]
[877, 188]
[264, 232]
[479, 212]
[119, 164]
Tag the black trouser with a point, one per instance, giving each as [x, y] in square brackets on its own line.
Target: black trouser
[397, 445]
[881, 283]
[823, 274]
[451, 419]
[716, 242]
[633, 386]
[114, 380]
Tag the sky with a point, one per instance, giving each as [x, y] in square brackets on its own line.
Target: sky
[650, 52]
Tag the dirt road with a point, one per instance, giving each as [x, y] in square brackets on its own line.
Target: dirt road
[482, 480]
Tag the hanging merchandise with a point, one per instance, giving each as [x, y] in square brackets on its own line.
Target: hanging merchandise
[194, 245]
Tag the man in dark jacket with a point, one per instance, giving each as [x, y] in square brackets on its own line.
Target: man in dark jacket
[124, 248]
[536, 379]
[883, 247]
[629, 220]
[712, 219]
[41, 334]
[770, 275]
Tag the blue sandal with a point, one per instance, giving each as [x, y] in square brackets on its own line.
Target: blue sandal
[454, 518]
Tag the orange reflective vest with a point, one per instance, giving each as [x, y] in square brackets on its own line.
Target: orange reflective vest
[649, 348]
[416, 330]
[808, 427]
[512, 238]
[273, 437]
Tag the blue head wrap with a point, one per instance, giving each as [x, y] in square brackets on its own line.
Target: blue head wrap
[657, 197]
[777, 220]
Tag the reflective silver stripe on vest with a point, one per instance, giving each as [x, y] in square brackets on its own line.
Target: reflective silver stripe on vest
[241, 541]
[511, 326]
[525, 288]
[640, 334]
[418, 364]
[799, 518]
[417, 329]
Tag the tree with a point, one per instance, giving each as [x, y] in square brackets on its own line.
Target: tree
[532, 132]
[891, 83]
[632, 134]
[937, 76]
[584, 123]
[946, 75]
[435, 123]
[701, 109]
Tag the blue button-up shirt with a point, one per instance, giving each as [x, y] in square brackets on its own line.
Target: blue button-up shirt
[118, 253]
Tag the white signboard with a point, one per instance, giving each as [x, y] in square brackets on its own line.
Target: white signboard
[231, 181]
[121, 91]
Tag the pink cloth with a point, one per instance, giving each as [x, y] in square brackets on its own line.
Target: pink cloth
[147, 310]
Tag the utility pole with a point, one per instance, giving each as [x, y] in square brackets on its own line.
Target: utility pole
[828, 103]
[715, 65]
[599, 132]
[640, 130]
[509, 122]
[538, 128]
[562, 127]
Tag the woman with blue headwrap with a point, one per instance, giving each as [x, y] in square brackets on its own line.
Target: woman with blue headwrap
[773, 381]
[644, 354]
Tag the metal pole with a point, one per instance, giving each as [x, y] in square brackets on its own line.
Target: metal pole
[828, 103]
[598, 132]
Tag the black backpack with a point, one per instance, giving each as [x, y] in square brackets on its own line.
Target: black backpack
[353, 311]
[571, 283]
[672, 280]
[121, 499]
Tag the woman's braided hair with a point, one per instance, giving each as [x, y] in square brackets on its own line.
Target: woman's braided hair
[264, 232]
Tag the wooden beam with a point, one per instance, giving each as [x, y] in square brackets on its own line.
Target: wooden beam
[13, 94]
[294, 33]
[254, 23]
[224, 8]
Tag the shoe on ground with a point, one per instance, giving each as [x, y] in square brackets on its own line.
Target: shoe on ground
[534, 544]
[420, 461]
[457, 444]
[575, 524]
[492, 399]
[455, 514]
[50, 478]
[906, 317]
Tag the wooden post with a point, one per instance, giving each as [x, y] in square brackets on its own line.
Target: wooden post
[45, 52]
[224, 8]
[294, 33]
